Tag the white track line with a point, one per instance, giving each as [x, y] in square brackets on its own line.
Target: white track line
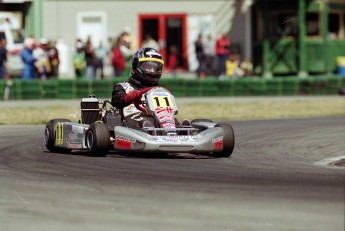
[329, 163]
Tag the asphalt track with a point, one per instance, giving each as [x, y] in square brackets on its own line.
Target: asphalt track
[270, 183]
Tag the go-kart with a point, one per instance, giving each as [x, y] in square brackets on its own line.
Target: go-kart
[101, 129]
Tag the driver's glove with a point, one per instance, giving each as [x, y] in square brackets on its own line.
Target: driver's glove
[132, 97]
[135, 95]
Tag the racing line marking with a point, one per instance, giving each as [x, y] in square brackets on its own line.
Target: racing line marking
[21, 198]
[329, 163]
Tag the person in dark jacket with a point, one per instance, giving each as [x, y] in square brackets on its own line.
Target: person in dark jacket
[146, 71]
[200, 56]
[3, 58]
[91, 61]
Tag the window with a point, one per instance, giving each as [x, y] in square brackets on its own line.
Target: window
[313, 25]
[283, 24]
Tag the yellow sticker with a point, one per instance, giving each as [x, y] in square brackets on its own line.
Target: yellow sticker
[59, 134]
[162, 101]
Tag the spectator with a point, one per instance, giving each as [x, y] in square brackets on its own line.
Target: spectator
[54, 60]
[247, 67]
[222, 52]
[200, 55]
[28, 59]
[232, 68]
[118, 60]
[129, 40]
[209, 51]
[101, 53]
[91, 61]
[126, 51]
[40, 53]
[3, 58]
[150, 42]
[173, 60]
[79, 61]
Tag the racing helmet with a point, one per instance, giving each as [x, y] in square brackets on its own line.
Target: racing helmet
[147, 66]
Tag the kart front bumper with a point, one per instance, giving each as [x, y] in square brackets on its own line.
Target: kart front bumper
[127, 139]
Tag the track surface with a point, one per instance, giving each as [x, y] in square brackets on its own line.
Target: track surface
[270, 183]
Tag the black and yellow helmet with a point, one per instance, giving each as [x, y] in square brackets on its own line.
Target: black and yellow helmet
[147, 66]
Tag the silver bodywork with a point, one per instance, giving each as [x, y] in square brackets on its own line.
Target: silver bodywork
[203, 142]
[71, 135]
[127, 139]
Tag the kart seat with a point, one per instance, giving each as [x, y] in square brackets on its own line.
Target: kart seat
[90, 111]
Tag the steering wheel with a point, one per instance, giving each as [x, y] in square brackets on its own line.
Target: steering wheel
[139, 105]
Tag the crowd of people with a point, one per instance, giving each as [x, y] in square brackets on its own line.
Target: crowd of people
[89, 61]
[215, 59]
[41, 59]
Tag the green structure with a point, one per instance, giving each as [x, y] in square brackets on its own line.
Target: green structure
[31, 15]
[34, 19]
[297, 37]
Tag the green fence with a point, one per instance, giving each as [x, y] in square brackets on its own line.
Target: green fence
[277, 86]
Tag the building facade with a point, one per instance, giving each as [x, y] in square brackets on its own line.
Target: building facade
[170, 22]
[282, 37]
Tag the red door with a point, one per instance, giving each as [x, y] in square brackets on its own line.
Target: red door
[169, 30]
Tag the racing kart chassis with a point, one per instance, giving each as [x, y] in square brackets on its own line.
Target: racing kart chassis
[100, 130]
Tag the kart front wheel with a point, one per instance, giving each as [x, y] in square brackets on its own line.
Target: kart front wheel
[49, 136]
[97, 139]
[228, 140]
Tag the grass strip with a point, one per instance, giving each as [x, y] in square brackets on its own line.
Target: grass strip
[215, 111]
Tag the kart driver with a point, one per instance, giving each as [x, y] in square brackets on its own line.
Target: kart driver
[147, 68]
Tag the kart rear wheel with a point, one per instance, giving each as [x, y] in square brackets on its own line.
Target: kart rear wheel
[228, 140]
[97, 139]
[49, 136]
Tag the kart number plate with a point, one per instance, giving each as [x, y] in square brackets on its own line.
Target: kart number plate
[162, 101]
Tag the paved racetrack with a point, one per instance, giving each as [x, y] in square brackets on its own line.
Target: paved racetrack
[270, 183]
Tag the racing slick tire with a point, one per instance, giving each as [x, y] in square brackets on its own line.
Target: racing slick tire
[228, 140]
[49, 136]
[97, 139]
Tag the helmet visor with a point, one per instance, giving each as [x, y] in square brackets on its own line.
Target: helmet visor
[151, 67]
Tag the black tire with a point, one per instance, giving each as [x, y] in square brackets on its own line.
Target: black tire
[228, 140]
[342, 91]
[49, 137]
[98, 139]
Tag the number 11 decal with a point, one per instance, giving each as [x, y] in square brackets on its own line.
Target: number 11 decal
[166, 101]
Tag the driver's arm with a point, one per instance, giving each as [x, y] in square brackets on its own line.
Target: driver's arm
[118, 96]
[121, 99]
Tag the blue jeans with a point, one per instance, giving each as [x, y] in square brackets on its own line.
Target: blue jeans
[3, 72]
[90, 73]
[221, 59]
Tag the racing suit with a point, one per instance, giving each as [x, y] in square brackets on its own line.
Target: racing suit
[130, 115]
